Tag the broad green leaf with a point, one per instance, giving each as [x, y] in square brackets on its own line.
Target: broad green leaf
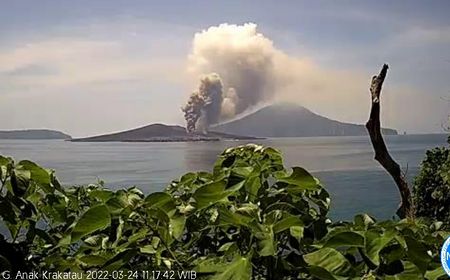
[436, 225]
[249, 209]
[165, 225]
[210, 265]
[177, 226]
[330, 260]
[96, 218]
[435, 274]
[410, 271]
[211, 193]
[38, 174]
[346, 238]
[227, 217]
[300, 180]
[102, 195]
[240, 268]
[20, 181]
[133, 198]
[148, 249]
[64, 241]
[287, 223]
[375, 242]
[117, 202]
[137, 236]
[363, 220]
[243, 172]
[417, 253]
[94, 241]
[5, 160]
[225, 247]
[155, 241]
[235, 188]
[188, 178]
[267, 243]
[393, 252]
[162, 201]
[296, 232]
[120, 260]
[323, 274]
[93, 260]
[252, 186]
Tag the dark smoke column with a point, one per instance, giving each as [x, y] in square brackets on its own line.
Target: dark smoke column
[204, 105]
[192, 112]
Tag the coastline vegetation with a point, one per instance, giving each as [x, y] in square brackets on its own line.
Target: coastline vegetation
[432, 186]
[250, 218]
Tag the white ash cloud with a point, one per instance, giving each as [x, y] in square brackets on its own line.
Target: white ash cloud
[242, 63]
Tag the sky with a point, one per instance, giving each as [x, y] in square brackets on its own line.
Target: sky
[92, 67]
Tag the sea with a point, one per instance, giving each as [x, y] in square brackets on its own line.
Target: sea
[344, 165]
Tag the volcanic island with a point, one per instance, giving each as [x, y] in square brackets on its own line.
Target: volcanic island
[162, 133]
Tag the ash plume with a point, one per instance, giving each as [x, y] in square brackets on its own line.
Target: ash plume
[203, 106]
[237, 68]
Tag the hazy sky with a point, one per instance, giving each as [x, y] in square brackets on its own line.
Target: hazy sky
[89, 67]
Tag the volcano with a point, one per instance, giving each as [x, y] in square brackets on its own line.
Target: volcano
[288, 120]
[161, 133]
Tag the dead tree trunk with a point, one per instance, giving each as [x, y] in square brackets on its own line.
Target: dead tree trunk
[381, 152]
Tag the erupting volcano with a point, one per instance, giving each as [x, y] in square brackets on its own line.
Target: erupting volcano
[236, 65]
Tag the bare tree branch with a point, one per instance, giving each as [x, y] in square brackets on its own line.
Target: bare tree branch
[382, 155]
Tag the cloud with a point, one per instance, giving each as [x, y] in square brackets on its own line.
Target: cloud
[344, 95]
[86, 86]
[31, 70]
[426, 35]
[63, 62]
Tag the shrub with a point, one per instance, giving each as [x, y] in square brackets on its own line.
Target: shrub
[249, 218]
[431, 189]
[252, 216]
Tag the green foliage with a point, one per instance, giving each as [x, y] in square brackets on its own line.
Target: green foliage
[431, 190]
[250, 218]
[251, 210]
[392, 249]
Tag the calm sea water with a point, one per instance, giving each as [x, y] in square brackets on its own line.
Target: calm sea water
[345, 165]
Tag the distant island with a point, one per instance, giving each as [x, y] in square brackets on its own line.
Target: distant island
[279, 120]
[161, 133]
[288, 120]
[33, 134]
